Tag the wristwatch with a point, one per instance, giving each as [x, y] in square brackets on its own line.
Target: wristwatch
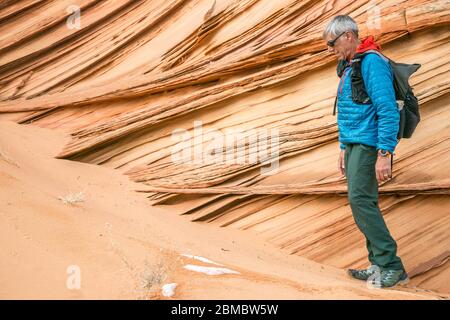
[384, 153]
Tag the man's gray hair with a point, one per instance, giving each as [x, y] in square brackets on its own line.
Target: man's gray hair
[340, 24]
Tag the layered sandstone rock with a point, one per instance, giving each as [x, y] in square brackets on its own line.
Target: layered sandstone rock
[137, 71]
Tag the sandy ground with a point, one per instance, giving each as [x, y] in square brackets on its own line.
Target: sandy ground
[115, 245]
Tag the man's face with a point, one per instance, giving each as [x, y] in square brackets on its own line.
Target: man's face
[342, 46]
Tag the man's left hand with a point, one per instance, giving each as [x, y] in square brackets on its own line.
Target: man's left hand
[383, 168]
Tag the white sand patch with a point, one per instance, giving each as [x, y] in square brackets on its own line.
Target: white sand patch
[206, 260]
[211, 271]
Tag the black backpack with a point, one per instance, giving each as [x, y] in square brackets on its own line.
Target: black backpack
[406, 100]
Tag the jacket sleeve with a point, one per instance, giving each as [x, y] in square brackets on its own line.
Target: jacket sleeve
[378, 80]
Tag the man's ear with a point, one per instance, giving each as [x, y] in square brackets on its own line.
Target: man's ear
[349, 36]
[353, 36]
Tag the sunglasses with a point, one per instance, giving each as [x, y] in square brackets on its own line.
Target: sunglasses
[332, 42]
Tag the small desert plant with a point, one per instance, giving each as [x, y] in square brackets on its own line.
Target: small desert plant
[154, 276]
[72, 198]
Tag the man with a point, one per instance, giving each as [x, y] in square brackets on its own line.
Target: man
[368, 137]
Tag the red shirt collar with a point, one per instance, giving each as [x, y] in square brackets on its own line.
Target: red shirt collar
[368, 44]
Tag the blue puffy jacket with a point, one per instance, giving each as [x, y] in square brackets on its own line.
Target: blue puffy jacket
[375, 124]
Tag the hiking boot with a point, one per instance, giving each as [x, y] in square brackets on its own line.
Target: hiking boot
[391, 278]
[363, 274]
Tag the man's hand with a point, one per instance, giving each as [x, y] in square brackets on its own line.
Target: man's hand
[383, 168]
[341, 162]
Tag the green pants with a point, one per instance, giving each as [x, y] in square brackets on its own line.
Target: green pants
[362, 184]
